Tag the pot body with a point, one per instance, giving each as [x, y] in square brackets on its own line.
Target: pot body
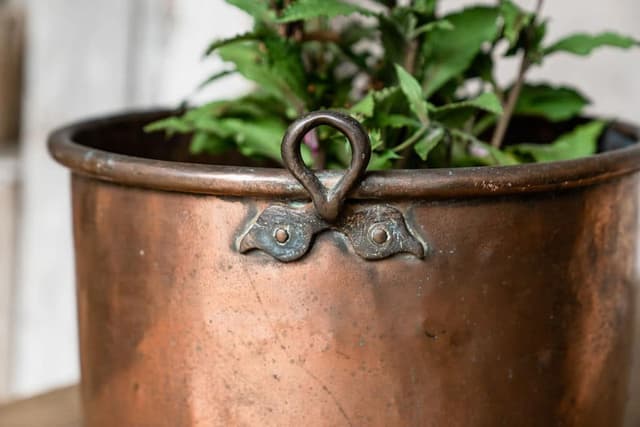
[520, 313]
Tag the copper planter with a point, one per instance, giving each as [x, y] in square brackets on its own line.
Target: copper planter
[507, 300]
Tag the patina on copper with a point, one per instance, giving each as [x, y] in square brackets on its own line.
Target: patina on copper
[520, 315]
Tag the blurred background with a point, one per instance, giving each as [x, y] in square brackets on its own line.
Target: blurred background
[63, 60]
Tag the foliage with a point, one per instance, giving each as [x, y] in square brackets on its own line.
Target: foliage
[422, 83]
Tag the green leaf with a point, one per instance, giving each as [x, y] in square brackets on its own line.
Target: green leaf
[478, 153]
[412, 90]
[257, 137]
[375, 136]
[259, 9]
[442, 24]
[582, 142]
[515, 20]
[302, 10]
[482, 67]
[583, 44]
[285, 58]
[498, 156]
[553, 103]
[170, 125]
[280, 79]
[533, 42]
[209, 124]
[366, 105]
[398, 121]
[235, 39]
[206, 142]
[424, 146]
[394, 39]
[215, 77]
[488, 101]
[449, 53]
[425, 7]
[383, 160]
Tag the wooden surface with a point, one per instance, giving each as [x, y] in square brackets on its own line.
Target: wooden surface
[60, 408]
[11, 53]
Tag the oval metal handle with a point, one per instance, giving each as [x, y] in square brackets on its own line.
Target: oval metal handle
[327, 201]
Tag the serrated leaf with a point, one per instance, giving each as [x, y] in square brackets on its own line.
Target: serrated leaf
[215, 77]
[553, 103]
[302, 10]
[382, 160]
[488, 101]
[224, 42]
[366, 106]
[426, 144]
[581, 142]
[259, 9]
[412, 90]
[450, 52]
[583, 44]
[285, 58]
[249, 60]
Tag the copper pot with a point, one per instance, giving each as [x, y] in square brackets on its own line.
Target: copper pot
[217, 295]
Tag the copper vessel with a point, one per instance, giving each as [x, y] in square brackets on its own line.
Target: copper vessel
[225, 295]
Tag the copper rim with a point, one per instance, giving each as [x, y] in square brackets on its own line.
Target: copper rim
[272, 182]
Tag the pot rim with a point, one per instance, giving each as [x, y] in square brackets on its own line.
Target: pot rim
[275, 182]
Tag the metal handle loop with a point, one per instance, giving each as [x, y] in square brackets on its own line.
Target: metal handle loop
[327, 201]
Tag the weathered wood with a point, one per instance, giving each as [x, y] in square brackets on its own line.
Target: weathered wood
[60, 408]
[11, 54]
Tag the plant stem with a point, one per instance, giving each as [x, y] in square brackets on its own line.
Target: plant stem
[539, 7]
[411, 56]
[510, 106]
[321, 36]
[514, 94]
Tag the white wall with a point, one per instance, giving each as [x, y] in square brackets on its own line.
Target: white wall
[87, 57]
[8, 187]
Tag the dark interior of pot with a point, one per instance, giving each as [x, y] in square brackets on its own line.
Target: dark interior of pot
[126, 136]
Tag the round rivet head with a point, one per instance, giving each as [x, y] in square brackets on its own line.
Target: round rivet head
[379, 235]
[281, 235]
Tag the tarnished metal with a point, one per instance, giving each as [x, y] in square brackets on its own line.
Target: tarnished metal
[519, 315]
[327, 202]
[287, 233]
[375, 233]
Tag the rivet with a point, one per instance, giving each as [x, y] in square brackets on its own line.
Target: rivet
[379, 235]
[281, 235]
